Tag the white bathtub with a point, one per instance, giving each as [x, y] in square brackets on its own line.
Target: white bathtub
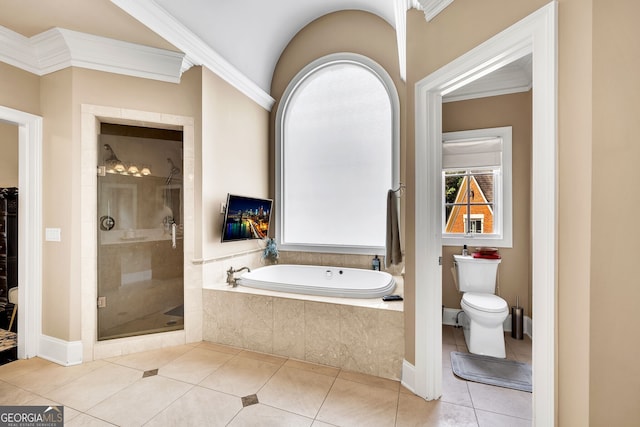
[318, 280]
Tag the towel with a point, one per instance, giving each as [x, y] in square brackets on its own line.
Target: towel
[393, 252]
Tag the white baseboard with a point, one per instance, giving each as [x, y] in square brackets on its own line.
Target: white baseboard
[408, 376]
[449, 316]
[66, 353]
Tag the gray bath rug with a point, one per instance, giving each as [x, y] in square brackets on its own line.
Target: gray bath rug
[491, 370]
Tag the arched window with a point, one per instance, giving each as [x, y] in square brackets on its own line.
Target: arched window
[337, 155]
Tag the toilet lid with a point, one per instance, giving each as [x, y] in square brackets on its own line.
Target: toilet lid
[485, 302]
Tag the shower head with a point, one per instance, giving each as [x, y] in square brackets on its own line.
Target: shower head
[174, 171]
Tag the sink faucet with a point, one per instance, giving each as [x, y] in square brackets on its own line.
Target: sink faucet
[233, 282]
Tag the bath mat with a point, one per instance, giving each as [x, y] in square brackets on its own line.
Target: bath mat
[8, 340]
[177, 311]
[491, 370]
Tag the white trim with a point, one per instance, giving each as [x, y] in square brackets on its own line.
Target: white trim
[198, 52]
[432, 8]
[65, 353]
[400, 10]
[29, 228]
[512, 78]
[535, 34]
[17, 50]
[58, 48]
[385, 79]
[408, 376]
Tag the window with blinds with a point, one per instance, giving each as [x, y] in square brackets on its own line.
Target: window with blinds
[476, 179]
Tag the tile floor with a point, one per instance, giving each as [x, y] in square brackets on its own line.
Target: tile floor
[206, 384]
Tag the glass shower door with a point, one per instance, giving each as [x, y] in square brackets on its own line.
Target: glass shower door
[140, 238]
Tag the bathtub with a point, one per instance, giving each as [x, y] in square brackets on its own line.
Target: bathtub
[317, 280]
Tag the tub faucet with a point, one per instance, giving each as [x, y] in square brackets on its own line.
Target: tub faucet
[233, 282]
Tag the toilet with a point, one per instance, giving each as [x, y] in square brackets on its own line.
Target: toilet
[484, 311]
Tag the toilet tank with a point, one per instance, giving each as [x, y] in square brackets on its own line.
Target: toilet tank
[475, 274]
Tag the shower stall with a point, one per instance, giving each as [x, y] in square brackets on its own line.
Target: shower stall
[140, 231]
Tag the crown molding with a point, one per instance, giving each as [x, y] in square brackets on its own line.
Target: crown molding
[431, 8]
[197, 51]
[17, 50]
[59, 48]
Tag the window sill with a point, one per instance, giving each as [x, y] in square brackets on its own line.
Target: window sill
[497, 242]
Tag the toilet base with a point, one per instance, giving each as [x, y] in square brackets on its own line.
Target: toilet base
[482, 340]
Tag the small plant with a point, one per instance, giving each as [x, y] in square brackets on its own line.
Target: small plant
[270, 252]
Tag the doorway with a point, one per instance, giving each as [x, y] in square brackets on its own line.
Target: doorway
[140, 231]
[29, 228]
[536, 35]
[93, 116]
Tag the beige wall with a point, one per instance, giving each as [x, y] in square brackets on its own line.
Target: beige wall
[235, 158]
[8, 155]
[508, 110]
[615, 284]
[19, 89]
[346, 31]
[574, 237]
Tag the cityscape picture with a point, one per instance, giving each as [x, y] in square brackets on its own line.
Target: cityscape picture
[246, 218]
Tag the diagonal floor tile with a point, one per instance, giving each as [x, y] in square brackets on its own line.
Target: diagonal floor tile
[54, 376]
[298, 391]
[195, 365]
[92, 388]
[501, 400]
[240, 376]
[265, 416]
[491, 419]
[351, 403]
[12, 395]
[139, 402]
[15, 369]
[415, 411]
[152, 359]
[199, 407]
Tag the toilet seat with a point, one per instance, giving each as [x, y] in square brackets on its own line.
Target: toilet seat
[487, 303]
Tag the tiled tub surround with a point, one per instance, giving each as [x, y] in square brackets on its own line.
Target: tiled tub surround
[361, 335]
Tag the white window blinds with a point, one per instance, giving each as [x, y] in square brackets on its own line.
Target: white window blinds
[472, 153]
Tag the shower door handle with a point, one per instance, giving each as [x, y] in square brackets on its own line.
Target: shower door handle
[174, 227]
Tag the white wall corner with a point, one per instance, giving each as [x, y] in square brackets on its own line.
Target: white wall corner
[65, 353]
[432, 8]
[408, 376]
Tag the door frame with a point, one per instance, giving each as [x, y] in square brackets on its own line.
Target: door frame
[29, 228]
[92, 349]
[536, 35]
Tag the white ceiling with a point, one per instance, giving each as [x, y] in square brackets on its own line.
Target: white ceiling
[239, 40]
[252, 34]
